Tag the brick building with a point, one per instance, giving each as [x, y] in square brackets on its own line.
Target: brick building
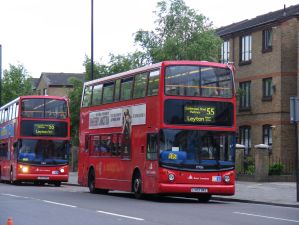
[265, 52]
[56, 83]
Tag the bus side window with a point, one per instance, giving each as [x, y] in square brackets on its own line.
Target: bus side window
[140, 83]
[87, 96]
[108, 90]
[117, 90]
[126, 88]
[152, 146]
[153, 83]
[97, 94]
[105, 145]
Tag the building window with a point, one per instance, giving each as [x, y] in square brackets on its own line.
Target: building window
[245, 138]
[245, 95]
[245, 49]
[267, 40]
[267, 89]
[225, 52]
[267, 134]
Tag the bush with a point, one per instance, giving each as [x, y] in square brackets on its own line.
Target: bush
[276, 169]
[249, 167]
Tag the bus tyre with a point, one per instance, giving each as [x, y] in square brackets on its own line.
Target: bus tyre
[137, 186]
[11, 177]
[91, 182]
[57, 183]
[204, 198]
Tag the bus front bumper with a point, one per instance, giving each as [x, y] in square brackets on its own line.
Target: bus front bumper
[195, 189]
[42, 177]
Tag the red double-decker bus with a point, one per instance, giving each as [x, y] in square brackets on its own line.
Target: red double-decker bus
[35, 140]
[168, 128]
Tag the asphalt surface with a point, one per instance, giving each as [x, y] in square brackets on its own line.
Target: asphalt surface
[271, 193]
[48, 205]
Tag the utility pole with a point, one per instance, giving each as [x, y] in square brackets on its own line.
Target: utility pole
[294, 113]
[91, 58]
[0, 75]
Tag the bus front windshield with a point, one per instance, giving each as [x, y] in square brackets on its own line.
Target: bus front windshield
[198, 81]
[43, 152]
[195, 149]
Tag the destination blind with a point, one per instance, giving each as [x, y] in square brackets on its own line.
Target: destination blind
[192, 112]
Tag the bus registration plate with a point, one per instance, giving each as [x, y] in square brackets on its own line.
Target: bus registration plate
[43, 178]
[199, 190]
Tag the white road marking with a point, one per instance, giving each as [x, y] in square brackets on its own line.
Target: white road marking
[56, 203]
[267, 217]
[16, 196]
[62, 204]
[119, 215]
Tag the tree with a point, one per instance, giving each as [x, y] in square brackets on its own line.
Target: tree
[16, 81]
[75, 102]
[116, 64]
[181, 34]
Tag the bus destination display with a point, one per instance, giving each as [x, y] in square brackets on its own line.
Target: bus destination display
[199, 114]
[43, 129]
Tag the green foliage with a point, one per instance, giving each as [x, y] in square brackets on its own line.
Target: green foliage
[116, 64]
[75, 101]
[181, 34]
[249, 167]
[276, 169]
[16, 81]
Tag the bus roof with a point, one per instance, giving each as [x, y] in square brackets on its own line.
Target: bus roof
[155, 66]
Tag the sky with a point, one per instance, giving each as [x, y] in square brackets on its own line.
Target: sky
[55, 35]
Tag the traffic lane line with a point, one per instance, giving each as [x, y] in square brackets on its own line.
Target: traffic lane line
[58, 203]
[120, 215]
[267, 217]
[36, 199]
[73, 206]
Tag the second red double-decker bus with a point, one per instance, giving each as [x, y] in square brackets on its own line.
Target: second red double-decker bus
[168, 128]
[35, 140]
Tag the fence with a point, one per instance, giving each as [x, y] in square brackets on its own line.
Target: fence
[278, 170]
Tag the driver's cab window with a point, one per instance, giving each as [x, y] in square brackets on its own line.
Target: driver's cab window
[152, 146]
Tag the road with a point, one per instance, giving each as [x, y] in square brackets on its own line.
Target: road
[73, 205]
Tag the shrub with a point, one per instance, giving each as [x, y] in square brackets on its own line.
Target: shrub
[276, 169]
[249, 167]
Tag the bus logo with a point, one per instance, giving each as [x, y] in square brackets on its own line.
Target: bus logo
[172, 156]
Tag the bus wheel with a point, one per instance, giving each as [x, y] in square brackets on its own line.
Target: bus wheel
[91, 182]
[204, 198]
[11, 177]
[137, 186]
[57, 183]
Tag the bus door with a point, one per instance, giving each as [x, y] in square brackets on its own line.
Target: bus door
[83, 161]
[151, 163]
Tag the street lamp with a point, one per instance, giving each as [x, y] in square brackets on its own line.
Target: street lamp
[0, 75]
[91, 57]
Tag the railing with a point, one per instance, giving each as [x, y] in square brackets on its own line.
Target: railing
[278, 166]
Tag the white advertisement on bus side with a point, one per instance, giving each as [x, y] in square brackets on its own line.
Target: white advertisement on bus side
[114, 117]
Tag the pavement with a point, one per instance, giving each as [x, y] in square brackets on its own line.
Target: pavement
[270, 193]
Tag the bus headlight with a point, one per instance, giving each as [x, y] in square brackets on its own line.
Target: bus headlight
[171, 177]
[25, 169]
[226, 178]
[61, 170]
